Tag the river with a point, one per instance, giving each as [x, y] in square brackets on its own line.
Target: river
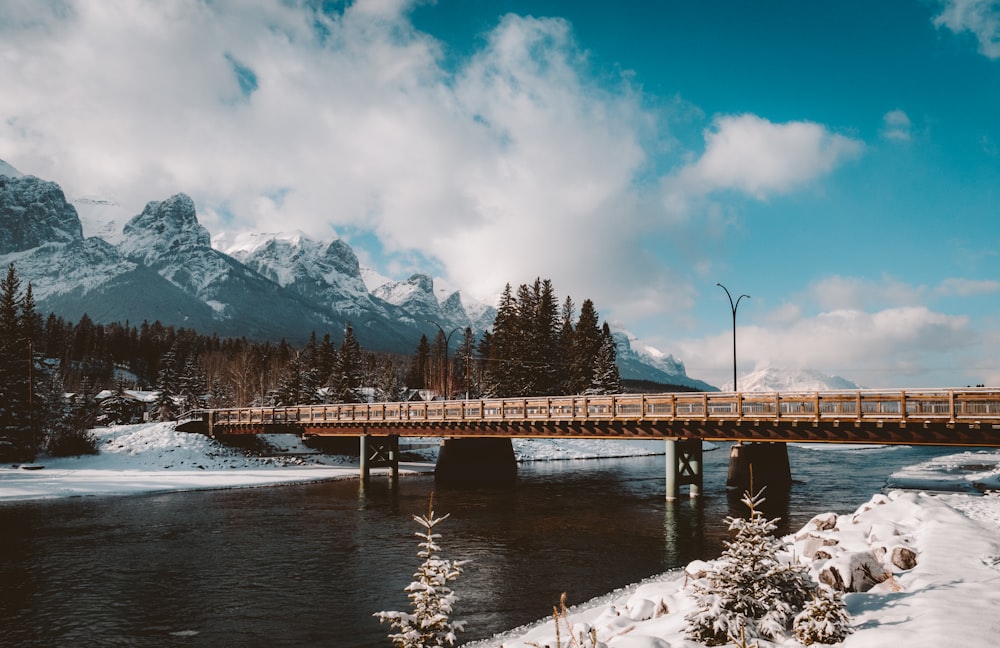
[307, 565]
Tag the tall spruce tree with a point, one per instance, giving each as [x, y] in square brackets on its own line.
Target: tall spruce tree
[586, 348]
[346, 377]
[606, 379]
[16, 363]
[165, 405]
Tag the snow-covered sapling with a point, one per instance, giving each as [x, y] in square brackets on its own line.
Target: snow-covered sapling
[750, 592]
[824, 619]
[430, 596]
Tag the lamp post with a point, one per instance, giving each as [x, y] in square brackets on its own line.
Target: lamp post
[734, 306]
[447, 343]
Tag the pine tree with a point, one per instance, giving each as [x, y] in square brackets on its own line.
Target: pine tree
[824, 619]
[751, 592]
[16, 362]
[606, 379]
[191, 384]
[431, 598]
[586, 348]
[72, 436]
[165, 406]
[289, 390]
[346, 377]
[566, 333]
[416, 374]
[117, 408]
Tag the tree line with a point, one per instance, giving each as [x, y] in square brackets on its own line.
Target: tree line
[51, 369]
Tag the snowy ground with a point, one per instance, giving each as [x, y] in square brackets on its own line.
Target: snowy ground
[946, 510]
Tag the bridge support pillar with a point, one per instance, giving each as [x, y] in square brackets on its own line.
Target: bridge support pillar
[379, 452]
[753, 466]
[684, 466]
[476, 461]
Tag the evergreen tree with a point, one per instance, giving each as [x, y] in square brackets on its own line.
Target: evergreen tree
[289, 390]
[751, 592]
[388, 381]
[191, 384]
[502, 372]
[346, 377]
[606, 379]
[545, 336]
[566, 346]
[416, 374]
[16, 362]
[431, 598]
[165, 406]
[72, 436]
[309, 371]
[824, 619]
[586, 348]
[117, 408]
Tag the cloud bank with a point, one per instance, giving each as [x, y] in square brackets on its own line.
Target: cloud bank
[278, 116]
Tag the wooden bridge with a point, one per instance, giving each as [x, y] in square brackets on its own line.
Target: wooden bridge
[760, 422]
[946, 417]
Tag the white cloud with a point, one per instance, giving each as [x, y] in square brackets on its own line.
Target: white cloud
[894, 347]
[959, 287]
[837, 293]
[980, 17]
[758, 157]
[896, 126]
[273, 116]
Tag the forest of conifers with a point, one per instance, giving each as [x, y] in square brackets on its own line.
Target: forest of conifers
[51, 370]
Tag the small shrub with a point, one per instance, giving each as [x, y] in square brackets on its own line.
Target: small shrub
[824, 619]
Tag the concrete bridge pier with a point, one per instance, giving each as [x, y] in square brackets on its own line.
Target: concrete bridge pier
[684, 466]
[379, 452]
[753, 466]
[476, 461]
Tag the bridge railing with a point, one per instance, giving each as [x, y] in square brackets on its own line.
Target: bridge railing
[930, 405]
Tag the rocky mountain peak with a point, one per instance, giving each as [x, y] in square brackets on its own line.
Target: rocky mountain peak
[418, 291]
[34, 212]
[342, 259]
[164, 226]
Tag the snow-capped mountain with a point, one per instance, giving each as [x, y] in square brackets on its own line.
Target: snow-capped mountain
[643, 362]
[327, 273]
[90, 257]
[161, 265]
[770, 379]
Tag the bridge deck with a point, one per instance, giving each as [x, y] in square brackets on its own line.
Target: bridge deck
[960, 417]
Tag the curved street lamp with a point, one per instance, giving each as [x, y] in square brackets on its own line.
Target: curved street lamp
[734, 306]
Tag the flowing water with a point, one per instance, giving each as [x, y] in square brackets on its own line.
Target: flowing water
[307, 565]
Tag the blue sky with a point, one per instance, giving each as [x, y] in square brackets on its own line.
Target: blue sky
[838, 162]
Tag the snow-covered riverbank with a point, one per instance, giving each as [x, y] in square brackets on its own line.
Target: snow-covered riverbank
[949, 597]
[155, 457]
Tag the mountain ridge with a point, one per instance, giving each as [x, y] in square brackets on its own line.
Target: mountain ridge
[162, 264]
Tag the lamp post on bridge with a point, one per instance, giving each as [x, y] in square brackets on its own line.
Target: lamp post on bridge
[447, 368]
[734, 306]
